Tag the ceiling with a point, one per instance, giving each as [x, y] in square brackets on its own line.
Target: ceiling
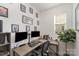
[43, 6]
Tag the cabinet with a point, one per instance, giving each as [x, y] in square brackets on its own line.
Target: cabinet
[5, 44]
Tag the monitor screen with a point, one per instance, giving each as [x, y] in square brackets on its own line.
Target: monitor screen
[20, 36]
[35, 33]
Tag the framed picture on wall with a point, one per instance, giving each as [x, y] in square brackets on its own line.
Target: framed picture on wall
[14, 28]
[36, 15]
[27, 20]
[77, 18]
[3, 11]
[37, 22]
[35, 28]
[30, 10]
[27, 28]
[23, 8]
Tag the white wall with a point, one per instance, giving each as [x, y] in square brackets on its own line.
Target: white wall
[47, 18]
[15, 17]
[60, 19]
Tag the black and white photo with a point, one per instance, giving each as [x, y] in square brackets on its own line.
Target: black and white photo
[14, 28]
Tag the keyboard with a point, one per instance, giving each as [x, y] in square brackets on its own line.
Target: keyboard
[34, 43]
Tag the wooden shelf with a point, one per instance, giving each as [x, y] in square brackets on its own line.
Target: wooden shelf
[4, 44]
[4, 32]
[5, 54]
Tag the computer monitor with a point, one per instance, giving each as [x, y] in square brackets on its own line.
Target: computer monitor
[35, 33]
[19, 36]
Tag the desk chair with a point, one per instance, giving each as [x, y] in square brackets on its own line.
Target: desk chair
[37, 51]
[46, 37]
[42, 50]
[54, 44]
[45, 51]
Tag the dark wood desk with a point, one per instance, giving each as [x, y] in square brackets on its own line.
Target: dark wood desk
[23, 50]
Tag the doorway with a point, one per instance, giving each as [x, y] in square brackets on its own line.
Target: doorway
[59, 23]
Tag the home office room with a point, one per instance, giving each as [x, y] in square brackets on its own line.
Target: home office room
[39, 29]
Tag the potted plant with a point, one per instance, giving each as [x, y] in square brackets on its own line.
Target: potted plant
[67, 36]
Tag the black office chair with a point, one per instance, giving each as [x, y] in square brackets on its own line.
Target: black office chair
[45, 51]
[46, 37]
[37, 51]
[42, 50]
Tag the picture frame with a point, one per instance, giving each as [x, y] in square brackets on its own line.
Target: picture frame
[14, 28]
[35, 28]
[3, 11]
[27, 28]
[22, 8]
[37, 22]
[36, 15]
[30, 10]
[27, 20]
[77, 18]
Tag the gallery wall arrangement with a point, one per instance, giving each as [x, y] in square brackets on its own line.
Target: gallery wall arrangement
[27, 20]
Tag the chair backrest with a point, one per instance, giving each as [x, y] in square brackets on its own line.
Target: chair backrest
[45, 46]
[46, 37]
